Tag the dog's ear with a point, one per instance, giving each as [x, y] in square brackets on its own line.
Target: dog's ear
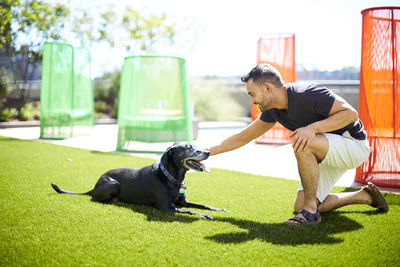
[172, 147]
[169, 149]
[167, 155]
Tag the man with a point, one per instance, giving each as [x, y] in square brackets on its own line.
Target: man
[327, 139]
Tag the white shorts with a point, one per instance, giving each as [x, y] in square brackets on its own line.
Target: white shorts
[344, 153]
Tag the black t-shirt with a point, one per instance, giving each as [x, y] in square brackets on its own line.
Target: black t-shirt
[308, 103]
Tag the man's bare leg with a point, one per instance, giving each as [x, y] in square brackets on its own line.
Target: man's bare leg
[307, 163]
[334, 201]
[308, 171]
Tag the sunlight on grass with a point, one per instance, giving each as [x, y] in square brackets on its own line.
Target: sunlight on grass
[39, 227]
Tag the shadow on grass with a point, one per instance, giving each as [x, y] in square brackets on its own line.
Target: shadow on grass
[153, 214]
[290, 235]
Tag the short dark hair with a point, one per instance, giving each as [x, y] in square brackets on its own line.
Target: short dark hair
[264, 73]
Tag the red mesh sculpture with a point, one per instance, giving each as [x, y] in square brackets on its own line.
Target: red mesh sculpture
[379, 97]
[278, 51]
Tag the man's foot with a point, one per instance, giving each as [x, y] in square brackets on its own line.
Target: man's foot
[304, 218]
[378, 200]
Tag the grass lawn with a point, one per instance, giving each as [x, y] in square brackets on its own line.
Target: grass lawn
[39, 227]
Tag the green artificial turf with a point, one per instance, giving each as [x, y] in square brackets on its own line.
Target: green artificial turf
[39, 227]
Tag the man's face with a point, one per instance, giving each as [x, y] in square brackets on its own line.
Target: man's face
[259, 95]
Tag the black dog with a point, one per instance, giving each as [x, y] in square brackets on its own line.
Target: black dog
[160, 184]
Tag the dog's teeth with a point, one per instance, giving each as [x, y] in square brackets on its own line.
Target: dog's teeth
[196, 165]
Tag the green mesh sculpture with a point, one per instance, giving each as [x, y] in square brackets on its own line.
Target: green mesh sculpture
[66, 96]
[154, 103]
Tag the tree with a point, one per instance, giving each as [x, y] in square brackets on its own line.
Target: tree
[147, 31]
[24, 26]
[134, 31]
[90, 29]
[5, 87]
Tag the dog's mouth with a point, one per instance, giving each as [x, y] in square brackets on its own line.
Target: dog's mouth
[195, 165]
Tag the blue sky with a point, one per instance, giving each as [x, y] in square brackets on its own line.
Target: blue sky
[328, 32]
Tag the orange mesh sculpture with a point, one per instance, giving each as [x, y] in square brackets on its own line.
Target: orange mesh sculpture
[379, 97]
[278, 51]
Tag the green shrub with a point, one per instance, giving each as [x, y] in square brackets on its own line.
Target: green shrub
[98, 115]
[114, 111]
[100, 106]
[8, 114]
[29, 112]
[106, 87]
[106, 91]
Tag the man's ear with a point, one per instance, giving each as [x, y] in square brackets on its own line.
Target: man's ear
[267, 86]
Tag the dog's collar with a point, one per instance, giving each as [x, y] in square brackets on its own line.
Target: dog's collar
[166, 173]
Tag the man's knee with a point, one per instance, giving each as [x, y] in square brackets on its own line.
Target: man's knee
[318, 147]
[304, 153]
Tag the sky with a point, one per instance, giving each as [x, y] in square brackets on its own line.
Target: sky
[327, 32]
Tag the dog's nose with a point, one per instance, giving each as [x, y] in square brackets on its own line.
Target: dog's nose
[206, 153]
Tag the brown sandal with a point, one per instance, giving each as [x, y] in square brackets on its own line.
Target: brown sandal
[378, 200]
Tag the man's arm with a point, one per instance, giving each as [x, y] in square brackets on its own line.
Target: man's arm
[340, 115]
[254, 130]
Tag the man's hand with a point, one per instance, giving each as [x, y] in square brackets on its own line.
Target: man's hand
[301, 138]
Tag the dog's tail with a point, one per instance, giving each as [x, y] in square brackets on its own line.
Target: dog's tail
[61, 191]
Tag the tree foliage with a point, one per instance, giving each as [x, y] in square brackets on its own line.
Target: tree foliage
[24, 27]
[133, 30]
[89, 28]
[26, 24]
[147, 30]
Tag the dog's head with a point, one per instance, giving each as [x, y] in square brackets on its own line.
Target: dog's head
[185, 156]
